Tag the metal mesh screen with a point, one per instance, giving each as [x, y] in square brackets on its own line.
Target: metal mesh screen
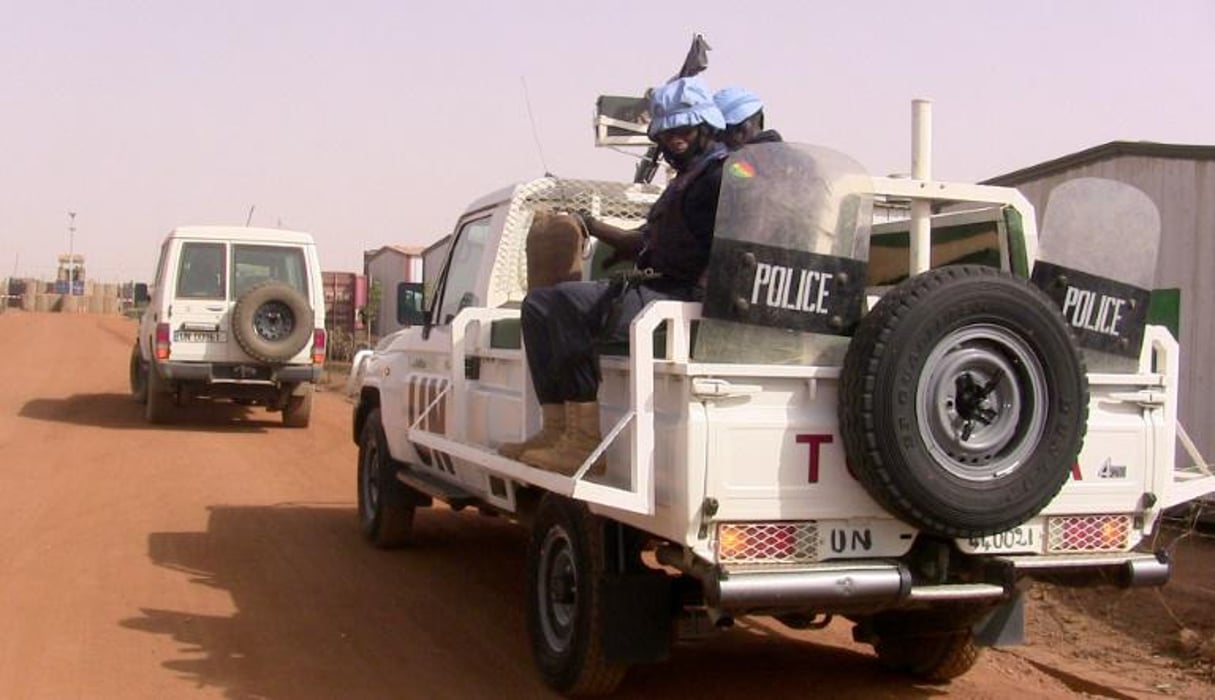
[620, 204]
[1088, 533]
[767, 544]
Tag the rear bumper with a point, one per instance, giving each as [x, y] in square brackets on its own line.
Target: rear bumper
[871, 585]
[1129, 570]
[236, 373]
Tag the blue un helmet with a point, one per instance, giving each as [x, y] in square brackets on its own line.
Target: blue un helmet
[683, 102]
[737, 105]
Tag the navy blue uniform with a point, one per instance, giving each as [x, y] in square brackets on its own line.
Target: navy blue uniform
[561, 324]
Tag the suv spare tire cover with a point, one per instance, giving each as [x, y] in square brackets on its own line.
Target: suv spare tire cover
[272, 321]
[963, 401]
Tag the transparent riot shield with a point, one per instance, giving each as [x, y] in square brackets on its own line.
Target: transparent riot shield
[786, 277]
[1097, 261]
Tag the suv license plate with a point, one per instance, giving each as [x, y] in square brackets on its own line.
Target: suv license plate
[200, 337]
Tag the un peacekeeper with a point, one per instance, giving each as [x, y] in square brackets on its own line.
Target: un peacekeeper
[744, 115]
[561, 324]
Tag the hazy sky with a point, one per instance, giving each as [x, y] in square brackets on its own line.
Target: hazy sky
[376, 122]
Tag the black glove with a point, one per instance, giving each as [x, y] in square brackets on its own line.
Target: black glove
[585, 219]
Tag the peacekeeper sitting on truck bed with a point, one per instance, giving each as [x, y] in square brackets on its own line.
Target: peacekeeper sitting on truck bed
[561, 324]
[744, 115]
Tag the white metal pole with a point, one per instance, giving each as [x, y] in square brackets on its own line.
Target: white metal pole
[921, 169]
[71, 252]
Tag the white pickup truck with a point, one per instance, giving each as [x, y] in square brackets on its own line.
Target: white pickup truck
[832, 433]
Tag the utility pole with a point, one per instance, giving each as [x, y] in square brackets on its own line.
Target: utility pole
[71, 253]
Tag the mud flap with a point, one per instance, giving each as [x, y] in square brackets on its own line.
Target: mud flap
[637, 620]
[1004, 626]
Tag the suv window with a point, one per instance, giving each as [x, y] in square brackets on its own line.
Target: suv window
[461, 277]
[200, 273]
[158, 279]
[255, 264]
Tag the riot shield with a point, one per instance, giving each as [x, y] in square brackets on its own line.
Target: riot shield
[786, 277]
[1097, 261]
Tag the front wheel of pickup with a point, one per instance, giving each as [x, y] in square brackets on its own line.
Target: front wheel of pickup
[565, 610]
[385, 509]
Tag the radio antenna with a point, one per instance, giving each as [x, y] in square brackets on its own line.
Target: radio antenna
[249, 218]
[532, 120]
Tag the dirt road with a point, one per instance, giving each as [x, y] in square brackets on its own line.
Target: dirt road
[220, 558]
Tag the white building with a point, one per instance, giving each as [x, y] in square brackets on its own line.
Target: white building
[391, 265]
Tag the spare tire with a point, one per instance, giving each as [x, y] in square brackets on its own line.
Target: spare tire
[272, 321]
[963, 401]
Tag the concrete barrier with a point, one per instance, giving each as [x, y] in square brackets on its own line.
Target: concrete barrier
[40, 296]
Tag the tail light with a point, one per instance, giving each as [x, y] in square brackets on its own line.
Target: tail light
[318, 346]
[1089, 533]
[767, 543]
[162, 341]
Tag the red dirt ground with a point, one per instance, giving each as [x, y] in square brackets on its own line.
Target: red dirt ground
[220, 557]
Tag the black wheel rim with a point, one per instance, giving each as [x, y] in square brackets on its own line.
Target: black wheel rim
[369, 485]
[558, 590]
[273, 321]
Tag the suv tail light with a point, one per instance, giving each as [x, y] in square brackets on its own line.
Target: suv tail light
[318, 346]
[162, 341]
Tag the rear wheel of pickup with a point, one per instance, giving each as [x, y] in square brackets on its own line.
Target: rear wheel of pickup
[936, 658]
[963, 401]
[138, 376]
[272, 321]
[385, 508]
[297, 412]
[565, 611]
[159, 407]
[934, 645]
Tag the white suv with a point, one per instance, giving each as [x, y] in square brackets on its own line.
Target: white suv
[237, 313]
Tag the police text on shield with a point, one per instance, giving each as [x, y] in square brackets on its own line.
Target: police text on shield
[1087, 309]
[796, 289]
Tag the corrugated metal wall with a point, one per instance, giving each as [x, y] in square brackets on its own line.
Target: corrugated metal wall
[1184, 192]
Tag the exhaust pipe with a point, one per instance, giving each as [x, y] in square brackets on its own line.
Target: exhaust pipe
[827, 587]
[1153, 571]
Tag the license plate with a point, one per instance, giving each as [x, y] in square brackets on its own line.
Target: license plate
[1026, 538]
[199, 337]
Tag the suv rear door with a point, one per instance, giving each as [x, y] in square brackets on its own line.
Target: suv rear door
[254, 264]
[198, 303]
[210, 276]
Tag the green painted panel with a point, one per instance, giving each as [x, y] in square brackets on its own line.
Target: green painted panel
[1164, 309]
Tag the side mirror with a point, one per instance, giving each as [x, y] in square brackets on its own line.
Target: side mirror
[140, 293]
[410, 311]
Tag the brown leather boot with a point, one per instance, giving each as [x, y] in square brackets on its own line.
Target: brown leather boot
[579, 440]
[551, 429]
